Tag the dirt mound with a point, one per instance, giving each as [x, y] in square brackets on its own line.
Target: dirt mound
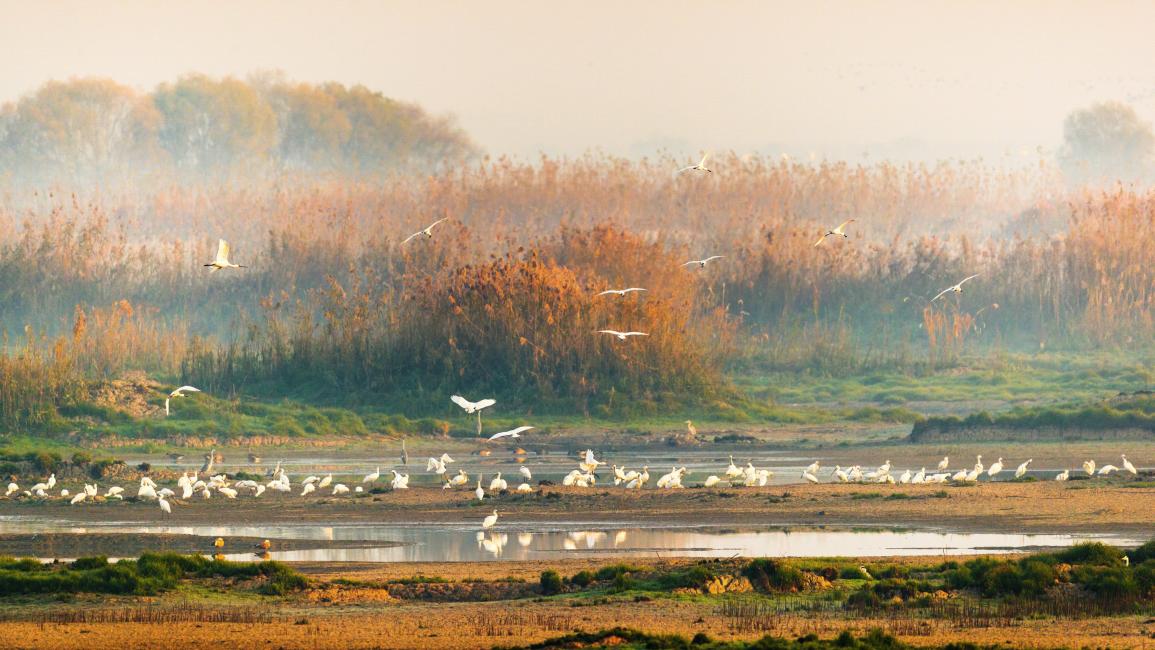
[130, 394]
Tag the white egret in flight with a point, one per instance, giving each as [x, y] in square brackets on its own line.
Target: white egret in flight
[840, 230]
[620, 292]
[473, 407]
[622, 335]
[702, 263]
[222, 259]
[700, 167]
[178, 393]
[512, 433]
[955, 288]
[427, 231]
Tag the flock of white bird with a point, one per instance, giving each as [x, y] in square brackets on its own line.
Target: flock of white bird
[584, 475]
[190, 486]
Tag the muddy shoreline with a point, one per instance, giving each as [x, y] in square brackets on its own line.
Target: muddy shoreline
[1039, 507]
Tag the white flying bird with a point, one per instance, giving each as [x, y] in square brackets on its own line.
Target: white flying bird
[837, 231]
[702, 263]
[622, 335]
[222, 260]
[472, 407]
[179, 393]
[620, 292]
[512, 433]
[428, 231]
[956, 288]
[700, 167]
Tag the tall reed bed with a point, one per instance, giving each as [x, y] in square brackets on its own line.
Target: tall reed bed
[502, 297]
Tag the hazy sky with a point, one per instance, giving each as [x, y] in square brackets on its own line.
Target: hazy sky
[919, 78]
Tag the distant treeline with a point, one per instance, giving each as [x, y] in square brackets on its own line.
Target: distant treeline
[97, 129]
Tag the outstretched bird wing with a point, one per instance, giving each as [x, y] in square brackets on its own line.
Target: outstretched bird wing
[820, 240]
[609, 291]
[406, 240]
[843, 225]
[184, 389]
[462, 402]
[222, 252]
[967, 278]
[485, 403]
[940, 293]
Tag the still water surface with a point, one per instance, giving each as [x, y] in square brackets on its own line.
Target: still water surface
[516, 541]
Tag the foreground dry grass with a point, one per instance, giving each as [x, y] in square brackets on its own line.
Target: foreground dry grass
[369, 618]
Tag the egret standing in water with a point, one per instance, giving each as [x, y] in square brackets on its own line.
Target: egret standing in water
[490, 521]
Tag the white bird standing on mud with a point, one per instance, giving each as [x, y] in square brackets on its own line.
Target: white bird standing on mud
[700, 167]
[840, 230]
[498, 484]
[479, 492]
[1022, 470]
[179, 393]
[1089, 467]
[621, 336]
[222, 259]
[370, 478]
[1063, 475]
[955, 288]
[996, 467]
[620, 292]
[702, 263]
[427, 231]
[733, 471]
[400, 481]
[944, 463]
[1128, 466]
[525, 473]
[512, 433]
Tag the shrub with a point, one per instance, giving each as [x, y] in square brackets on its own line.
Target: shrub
[1091, 553]
[771, 575]
[550, 582]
